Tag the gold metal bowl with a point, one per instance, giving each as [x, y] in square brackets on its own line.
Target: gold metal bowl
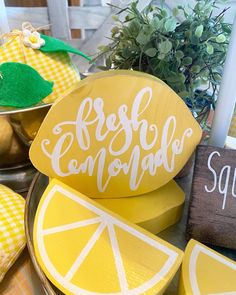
[26, 121]
[18, 127]
[37, 188]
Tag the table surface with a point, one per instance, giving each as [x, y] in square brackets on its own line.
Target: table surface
[22, 279]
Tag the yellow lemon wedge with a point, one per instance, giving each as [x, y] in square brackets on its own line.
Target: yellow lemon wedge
[206, 272]
[154, 211]
[85, 249]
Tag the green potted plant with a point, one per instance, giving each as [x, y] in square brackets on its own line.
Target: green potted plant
[185, 47]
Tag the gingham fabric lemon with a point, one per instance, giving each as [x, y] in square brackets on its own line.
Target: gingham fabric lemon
[53, 66]
[12, 236]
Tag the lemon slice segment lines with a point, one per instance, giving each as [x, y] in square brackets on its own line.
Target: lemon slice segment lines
[70, 226]
[193, 266]
[118, 259]
[82, 256]
[104, 221]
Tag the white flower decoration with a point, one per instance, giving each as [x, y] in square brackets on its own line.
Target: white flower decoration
[32, 39]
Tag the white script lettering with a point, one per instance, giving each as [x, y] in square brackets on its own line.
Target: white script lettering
[121, 128]
[222, 180]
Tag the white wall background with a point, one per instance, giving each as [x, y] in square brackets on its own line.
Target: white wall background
[229, 16]
[94, 17]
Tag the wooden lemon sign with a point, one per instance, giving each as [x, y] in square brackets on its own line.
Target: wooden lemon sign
[205, 271]
[154, 211]
[87, 250]
[212, 209]
[120, 133]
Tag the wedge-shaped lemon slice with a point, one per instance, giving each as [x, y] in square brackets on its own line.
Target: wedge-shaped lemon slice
[84, 249]
[154, 211]
[206, 272]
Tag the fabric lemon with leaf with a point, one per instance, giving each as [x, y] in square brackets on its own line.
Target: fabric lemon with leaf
[46, 55]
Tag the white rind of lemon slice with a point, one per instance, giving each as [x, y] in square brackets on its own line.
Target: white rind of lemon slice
[193, 271]
[109, 222]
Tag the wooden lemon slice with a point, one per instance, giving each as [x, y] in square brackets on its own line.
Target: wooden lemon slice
[154, 211]
[205, 271]
[85, 249]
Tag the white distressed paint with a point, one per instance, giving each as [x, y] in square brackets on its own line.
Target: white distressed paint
[221, 181]
[227, 96]
[4, 27]
[59, 19]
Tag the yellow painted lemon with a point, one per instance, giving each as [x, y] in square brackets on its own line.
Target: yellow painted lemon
[154, 211]
[85, 249]
[118, 134]
[206, 272]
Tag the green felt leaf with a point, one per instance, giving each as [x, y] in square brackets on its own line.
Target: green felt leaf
[21, 85]
[56, 45]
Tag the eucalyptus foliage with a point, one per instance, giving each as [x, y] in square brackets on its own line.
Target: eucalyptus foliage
[188, 55]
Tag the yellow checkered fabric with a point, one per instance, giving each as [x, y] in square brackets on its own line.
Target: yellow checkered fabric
[12, 234]
[55, 66]
[232, 129]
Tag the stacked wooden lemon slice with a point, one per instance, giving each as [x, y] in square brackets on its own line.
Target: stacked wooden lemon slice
[120, 137]
[113, 145]
[86, 249]
[205, 271]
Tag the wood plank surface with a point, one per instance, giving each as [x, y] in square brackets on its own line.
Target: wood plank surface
[4, 25]
[59, 19]
[38, 16]
[26, 3]
[88, 18]
[212, 212]
[75, 33]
